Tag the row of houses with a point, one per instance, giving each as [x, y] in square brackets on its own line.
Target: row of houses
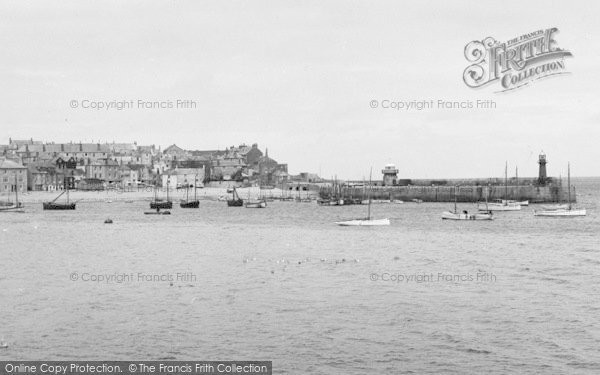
[56, 166]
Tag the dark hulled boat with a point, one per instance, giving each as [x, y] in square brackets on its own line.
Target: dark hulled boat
[59, 206]
[162, 205]
[156, 203]
[188, 203]
[236, 201]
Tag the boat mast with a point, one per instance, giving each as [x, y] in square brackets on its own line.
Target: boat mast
[517, 181]
[195, 191]
[187, 191]
[16, 192]
[569, 182]
[168, 182]
[455, 198]
[506, 181]
[370, 188]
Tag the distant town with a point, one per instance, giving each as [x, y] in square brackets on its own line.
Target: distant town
[31, 165]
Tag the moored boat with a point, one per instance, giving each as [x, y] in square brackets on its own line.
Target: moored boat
[15, 206]
[53, 205]
[368, 221]
[568, 211]
[235, 201]
[188, 203]
[465, 215]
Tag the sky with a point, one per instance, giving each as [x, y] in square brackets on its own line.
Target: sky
[298, 78]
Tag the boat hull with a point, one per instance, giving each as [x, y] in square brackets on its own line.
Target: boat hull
[555, 207]
[364, 223]
[235, 203]
[192, 204]
[458, 216]
[561, 213]
[157, 213]
[498, 207]
[260, 204]
[58, 206]
[161, 205]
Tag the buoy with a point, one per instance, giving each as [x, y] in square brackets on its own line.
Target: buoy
[108, 221]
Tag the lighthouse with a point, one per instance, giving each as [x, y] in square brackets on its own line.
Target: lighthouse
[390, 175]
[542, 176]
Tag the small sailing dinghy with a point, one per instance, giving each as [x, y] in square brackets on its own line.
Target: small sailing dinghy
[368, 221]
[260, 202]
[502, 204]
[15, 206]
[455, 215]
[569, 211]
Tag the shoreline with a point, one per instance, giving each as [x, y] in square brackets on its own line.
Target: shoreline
[207, 193]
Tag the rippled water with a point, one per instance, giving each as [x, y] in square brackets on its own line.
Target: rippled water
[286, 284]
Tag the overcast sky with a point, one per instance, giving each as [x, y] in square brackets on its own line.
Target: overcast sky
[298, 77]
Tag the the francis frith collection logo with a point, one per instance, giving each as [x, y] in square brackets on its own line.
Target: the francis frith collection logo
[514, 63]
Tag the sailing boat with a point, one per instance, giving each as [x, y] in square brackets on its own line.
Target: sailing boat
[563, 212]
[159, 204]
[455, 215]
[187, 203]
[16, 206]
[501, 204]
[368, 221]
[256, 203]
[236, 201]
[52, 205]
[521, 203]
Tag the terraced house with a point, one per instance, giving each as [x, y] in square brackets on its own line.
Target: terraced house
[13, 175]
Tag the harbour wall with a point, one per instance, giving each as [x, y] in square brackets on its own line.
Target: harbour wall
[535, 194]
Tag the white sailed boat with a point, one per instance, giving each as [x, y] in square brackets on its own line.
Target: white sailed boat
[455, 215]
[569, 211]
[368, 221]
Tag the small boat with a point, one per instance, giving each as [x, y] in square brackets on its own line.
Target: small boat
[256, 203]
[236, 201]
[15, 206]
[397, 201]
[569, 211]
[52, 205]
[157, 213]
[364, 222]
[160, 204]
[417, 200]
[554, 207]
[465, 215]
[187, 203]
[109, 201]
[513, 202]
[501, 204]
[498, 206]
[260, 203]
[368, 221]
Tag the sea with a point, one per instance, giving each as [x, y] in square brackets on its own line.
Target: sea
[519, 294]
